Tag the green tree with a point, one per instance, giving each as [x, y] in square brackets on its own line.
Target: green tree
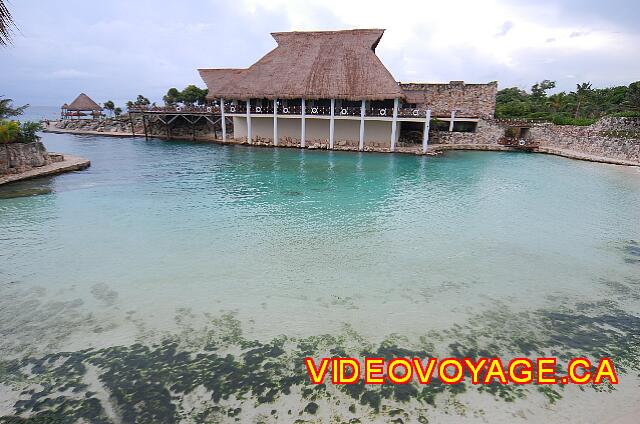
[172, 97]
[582, 91]
[539, 89]
[558, 101]
[117, 111]
[141, 101]
[192, 95]
[632, 98]
[7, 110]
[109, 106]
[512, 103]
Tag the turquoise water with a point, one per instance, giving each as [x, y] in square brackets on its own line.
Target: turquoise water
[158, 239]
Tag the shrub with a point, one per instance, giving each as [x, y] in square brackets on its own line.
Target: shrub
[29, 132]
[9, 131]
[563, 120]
[510, 132]
[14, 132]
[627, 114]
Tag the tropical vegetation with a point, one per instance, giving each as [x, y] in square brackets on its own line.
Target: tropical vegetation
[189, 96]
[14, 131]
[583, 106]
[140, 101]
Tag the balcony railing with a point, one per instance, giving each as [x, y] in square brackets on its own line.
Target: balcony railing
[285, 110]
[326, 111]
[176, 109]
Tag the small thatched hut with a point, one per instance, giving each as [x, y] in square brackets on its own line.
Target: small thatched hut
[83, 105]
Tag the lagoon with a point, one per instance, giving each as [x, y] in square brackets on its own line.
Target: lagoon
[175, 240]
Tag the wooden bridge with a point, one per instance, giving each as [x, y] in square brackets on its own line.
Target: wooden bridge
[168, 115]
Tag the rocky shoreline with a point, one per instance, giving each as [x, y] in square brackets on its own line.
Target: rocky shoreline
[610, 140]
[22, 161]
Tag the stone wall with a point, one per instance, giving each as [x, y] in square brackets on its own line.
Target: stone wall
[113, 125]
[20, 157]
[466, 99]
[603, 139]
[487, 132]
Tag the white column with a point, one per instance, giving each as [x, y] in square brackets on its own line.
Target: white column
[222, 119]
[275, 122]
[425, 136]
[362, 109]
[303, 130]
[394, 125]
[249, 135]
[331, 123]
[453, 119]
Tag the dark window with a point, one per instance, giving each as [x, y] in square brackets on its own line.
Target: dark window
[411, 132]
[465, 126]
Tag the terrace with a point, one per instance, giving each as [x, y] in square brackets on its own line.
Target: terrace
[310, 111]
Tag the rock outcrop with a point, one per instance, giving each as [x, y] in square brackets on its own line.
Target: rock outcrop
[20, 157]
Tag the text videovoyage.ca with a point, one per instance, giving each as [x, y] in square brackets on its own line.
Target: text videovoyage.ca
[579, 370]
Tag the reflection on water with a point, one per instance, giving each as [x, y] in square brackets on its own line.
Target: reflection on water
[173, 249]
[24, 189]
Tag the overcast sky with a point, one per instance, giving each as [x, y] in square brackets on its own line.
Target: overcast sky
[117, 49]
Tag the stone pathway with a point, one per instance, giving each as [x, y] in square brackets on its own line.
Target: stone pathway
[70, 163]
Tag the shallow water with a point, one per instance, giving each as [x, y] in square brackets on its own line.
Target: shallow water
[161, 239]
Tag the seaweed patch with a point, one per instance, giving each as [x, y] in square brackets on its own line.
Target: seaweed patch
[218, 375]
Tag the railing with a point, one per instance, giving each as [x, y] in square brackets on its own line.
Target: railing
[176, 109]
[326, 111]
[231, 108]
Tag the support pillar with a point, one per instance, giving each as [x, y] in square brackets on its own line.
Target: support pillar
[425, 136]
[332, 123]
[303, 129]
[144, 124]
[453, 119]
[275, 122]
[362, 111]
[249, 135]
[394, 125]
[133, 129]
[223, 120]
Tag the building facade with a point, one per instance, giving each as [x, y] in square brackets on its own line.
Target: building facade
[329, 89]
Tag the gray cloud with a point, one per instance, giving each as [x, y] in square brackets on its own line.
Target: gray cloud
[504, 29]
[118, 49]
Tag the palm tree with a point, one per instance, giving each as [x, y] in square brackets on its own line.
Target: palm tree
[6, 24]
[557, 101]
[109, 106]
[7, 109]
[581, 92]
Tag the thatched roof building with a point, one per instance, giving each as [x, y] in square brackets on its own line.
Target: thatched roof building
[83, 103]
[331, 87]
[311, 65]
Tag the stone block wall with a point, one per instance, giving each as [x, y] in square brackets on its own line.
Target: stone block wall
[487, 132]
[477, 100]
[116, 126]
[601, 139]
[20, 157]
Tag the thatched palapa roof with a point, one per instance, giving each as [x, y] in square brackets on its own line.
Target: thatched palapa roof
[83, 102]
[311, 65]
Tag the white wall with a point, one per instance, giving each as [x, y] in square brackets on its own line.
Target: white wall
[316, 129]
